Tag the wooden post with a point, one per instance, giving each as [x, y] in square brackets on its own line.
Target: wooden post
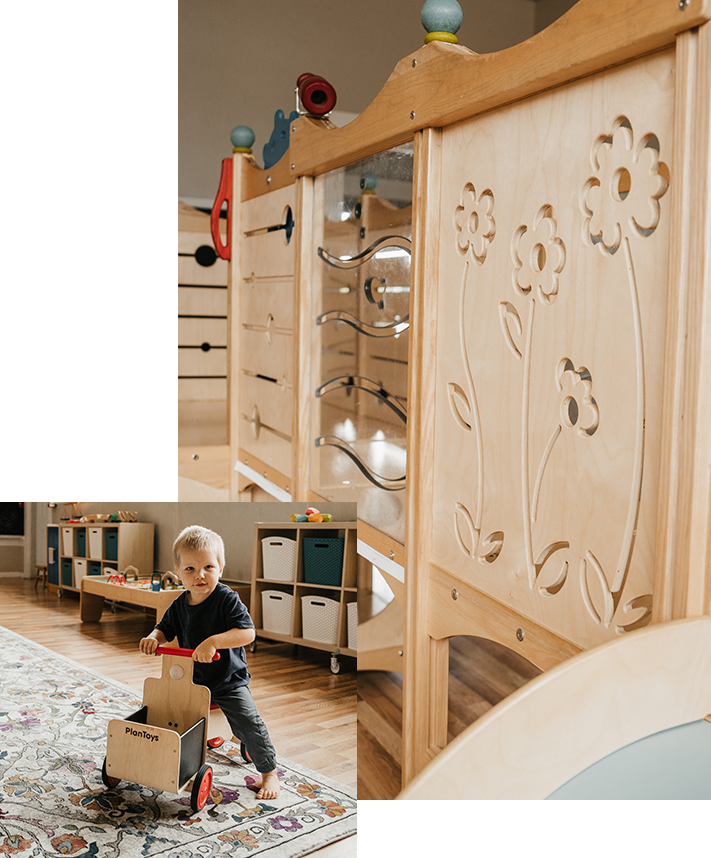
[425, 675]
[234, 279]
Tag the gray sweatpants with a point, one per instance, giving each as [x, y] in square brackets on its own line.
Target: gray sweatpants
[247, 726]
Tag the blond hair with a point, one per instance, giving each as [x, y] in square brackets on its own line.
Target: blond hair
[196, 538]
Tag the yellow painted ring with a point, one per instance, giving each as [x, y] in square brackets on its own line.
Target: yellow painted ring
[440, 36]
[242, 149]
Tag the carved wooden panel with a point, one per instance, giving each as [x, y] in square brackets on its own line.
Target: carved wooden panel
[553, 276]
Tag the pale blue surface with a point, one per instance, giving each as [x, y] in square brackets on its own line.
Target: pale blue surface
[443, 16]
[242, 137]
[673, 764]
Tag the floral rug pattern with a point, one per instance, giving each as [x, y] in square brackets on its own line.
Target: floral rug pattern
[53, 719]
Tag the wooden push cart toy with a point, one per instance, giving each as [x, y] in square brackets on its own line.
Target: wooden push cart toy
[163, 744]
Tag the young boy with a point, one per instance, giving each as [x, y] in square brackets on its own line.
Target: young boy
[207, 617]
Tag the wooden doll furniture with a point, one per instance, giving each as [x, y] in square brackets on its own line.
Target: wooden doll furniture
[536, 465]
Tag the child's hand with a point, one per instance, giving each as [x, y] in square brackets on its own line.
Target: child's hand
[148, 645]
[204, 652]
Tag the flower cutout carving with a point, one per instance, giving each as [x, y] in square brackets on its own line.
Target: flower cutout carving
[578, 408]
[474, 223]
[623, 195]
[539, 256]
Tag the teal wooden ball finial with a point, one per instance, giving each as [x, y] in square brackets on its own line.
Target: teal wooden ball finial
[242, 138]
[441, 19]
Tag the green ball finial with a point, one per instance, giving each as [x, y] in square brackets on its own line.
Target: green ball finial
[242, 138]
[368, 183]
[441, 19]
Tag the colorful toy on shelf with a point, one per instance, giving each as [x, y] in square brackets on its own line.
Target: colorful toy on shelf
[312, 514]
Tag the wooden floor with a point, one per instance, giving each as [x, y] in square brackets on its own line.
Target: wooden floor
[481, 674]
[310, 712]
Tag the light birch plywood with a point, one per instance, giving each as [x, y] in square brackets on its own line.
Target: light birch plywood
[574, 715]
[550, 350]
[202, 301]
[190, 273]
[198, 331]
[196, 362]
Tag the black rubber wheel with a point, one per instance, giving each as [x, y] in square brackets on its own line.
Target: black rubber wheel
[107, 779]
[201, 788]
[243, 751]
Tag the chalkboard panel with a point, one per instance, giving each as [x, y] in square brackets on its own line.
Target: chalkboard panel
[12, 519]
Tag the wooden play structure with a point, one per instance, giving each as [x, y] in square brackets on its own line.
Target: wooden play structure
[163, 744]
[482, 310]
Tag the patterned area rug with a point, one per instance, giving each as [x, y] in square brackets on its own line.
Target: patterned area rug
[53, 719]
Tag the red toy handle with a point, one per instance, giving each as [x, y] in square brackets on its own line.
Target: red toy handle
[176, 650]
[316, 94]
[224, 194]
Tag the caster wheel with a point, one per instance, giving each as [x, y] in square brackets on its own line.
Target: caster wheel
[335, 665]
[245, 755]
[107, 779]
[59, 594]
[253, 646]
[201, 788]
[217, 742]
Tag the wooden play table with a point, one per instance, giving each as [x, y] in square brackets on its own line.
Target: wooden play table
[95, 588]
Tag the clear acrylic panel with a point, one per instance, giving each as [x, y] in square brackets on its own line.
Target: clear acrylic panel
[361, 306]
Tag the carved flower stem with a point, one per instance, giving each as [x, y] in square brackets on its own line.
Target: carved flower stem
[476, 418]
[526, 486]
[636, 489]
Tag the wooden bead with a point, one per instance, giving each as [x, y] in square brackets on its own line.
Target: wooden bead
[441, 19]
[242, 138]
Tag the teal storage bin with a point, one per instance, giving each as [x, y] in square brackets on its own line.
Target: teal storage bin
[81, 542]
[323, 560]
[94, 568]
[67, 579]
[111, 544]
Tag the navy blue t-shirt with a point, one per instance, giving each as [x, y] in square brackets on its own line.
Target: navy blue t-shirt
[191, 624]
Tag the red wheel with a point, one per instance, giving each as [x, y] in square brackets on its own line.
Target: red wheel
[201, 788]
[107, 779]
[216, 742]
[243, 751]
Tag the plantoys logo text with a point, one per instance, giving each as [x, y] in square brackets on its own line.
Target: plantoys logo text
[152, 736]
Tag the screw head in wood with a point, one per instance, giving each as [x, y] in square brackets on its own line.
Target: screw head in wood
[412, 114]
[269, 180]
[519, 634]
[399, 652]
[455, 595]
[392, 555]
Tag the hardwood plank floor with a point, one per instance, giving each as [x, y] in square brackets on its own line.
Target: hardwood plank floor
[481, 674]
[310, 712]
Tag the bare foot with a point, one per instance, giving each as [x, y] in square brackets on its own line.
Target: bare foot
[270, 785]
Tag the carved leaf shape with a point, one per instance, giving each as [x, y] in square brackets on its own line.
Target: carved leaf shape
[508, 313]
[608, 602]
[463, 521]
[491, 547]
[644, 619]
[459, 402]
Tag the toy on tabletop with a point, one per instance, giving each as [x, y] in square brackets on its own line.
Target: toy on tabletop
[117, 578]
[170, 581]
[312, 514]
[163, 744]
[442, 19]
[156, 579]
[70, 511]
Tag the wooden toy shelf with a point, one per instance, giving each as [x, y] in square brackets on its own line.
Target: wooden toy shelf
[75, 550]
[344, 594]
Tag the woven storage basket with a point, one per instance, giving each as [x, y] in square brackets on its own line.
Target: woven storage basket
[278, 558]
[276, 611]
[320, 619]
[353, 625]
